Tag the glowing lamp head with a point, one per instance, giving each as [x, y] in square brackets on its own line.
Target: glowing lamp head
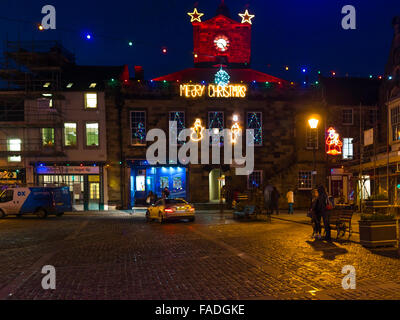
[40, 27]
[88, 36]
[313, 123]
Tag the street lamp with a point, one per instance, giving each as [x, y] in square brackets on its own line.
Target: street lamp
[313, 123]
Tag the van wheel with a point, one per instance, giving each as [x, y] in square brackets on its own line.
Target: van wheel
[2, 214]
[60, 214]
[41, 213]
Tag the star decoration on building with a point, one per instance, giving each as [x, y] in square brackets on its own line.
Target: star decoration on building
[246, 17]
[195, 16]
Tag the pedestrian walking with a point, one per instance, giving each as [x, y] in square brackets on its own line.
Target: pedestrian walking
[290, 200]
[275, 201]
[267, 198]
[165, 193]
[312, 213]
[323, 203]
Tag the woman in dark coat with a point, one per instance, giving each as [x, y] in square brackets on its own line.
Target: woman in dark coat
[321, 211]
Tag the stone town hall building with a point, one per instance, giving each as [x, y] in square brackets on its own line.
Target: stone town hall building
[275, 109]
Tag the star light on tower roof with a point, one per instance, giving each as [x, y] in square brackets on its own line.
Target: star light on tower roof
[246, 17]
[195, 16]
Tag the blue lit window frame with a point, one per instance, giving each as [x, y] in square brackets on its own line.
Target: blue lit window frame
[215, 123]
[180, 123]
[258, 128]
[138, 127]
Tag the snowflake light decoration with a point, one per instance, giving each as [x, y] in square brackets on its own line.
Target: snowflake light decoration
[222, 78]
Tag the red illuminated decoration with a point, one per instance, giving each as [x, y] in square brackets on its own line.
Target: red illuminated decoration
[333, 143]
[195, 16]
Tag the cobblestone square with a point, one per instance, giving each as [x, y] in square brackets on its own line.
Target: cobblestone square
[119, 256]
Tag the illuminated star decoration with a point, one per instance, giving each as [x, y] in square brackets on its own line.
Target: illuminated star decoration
[246, 17]
[195, 16]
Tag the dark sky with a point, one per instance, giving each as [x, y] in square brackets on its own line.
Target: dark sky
[286, 32]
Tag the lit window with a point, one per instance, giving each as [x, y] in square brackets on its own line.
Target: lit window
[91, 100]
[216, 125]
[48, 137]
[138, 127]
[306, 180]
[70, 134]
[254, 180]
[254, 121]
[395, 123]
[44, 103]
[348, 148]
[179, 118]
[92, 134]
[46, 85]
[347, 116]
[14, 145]
[93, 85]
[312, 138]
[69, 85]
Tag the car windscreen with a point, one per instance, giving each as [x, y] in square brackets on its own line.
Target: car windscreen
[175, 201]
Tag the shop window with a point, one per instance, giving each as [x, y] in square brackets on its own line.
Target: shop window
[179, 118]
[14, 145]
[138, 127]
[254, 180]
[306, 180]
[348, 148]
[140, 183]
[164, 182]
[216, 125]
[254, 121]
[70, 136]
[92, 134]
[312, 138]
[48, 137]
[395, 123]
[90, 100]
[94, 193]
[347, 116]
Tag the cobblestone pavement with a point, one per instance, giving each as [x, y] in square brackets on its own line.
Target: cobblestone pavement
[119, 256]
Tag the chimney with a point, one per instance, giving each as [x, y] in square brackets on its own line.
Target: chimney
[139, 73]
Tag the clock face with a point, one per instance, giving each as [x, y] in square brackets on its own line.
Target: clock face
[221, 43]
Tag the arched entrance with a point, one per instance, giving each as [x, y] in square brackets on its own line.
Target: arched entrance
[216, 182]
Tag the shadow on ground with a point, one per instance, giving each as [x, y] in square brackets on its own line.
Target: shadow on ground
[329, 249]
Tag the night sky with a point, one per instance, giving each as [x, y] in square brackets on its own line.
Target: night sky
[295, 33]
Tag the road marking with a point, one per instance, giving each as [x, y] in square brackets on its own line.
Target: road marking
[14, 285]
[74, 235]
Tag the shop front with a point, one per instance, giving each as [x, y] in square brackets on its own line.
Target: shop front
[86, 183]
[145, 178]
[341, 186]
[14, 176]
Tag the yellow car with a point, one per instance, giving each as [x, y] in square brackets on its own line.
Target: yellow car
[170, 209]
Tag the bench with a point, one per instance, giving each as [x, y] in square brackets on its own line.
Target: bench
[340, 220]
[247, 212]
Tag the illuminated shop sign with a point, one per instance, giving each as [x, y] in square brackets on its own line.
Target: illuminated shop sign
[213, 91]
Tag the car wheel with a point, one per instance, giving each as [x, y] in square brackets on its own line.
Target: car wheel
[2, 214]
[60, 214]
[147, 216]
[41, 213]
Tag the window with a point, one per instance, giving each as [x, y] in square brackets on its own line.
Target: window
[254, 121]
[306, 180]
[395, 122]
[312, 138]
[7, 196]
[48, 137]
[254, 180]
[138, 127]
[46, 85]
[216, 125]
[92, 134]
[90, 100]
[348, 148]
[179, 118]
[70, 134]
[347, 116]
[14, 145]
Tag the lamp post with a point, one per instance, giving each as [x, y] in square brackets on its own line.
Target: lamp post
[313, 123]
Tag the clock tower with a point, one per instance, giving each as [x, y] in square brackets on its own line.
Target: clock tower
[222, 40]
